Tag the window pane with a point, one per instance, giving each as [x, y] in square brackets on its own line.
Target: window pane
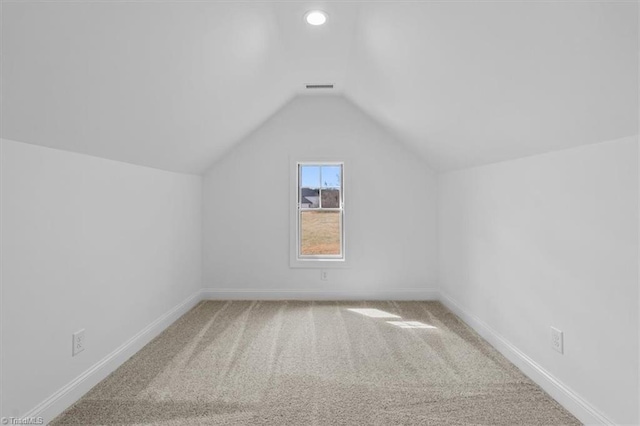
[330, 198]
[310, 176]
[320, 233]
[309, 198]
[331, 176]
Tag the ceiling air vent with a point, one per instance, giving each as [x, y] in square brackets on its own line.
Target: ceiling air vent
[319, 86]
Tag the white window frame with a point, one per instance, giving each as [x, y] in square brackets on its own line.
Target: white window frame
[315, 261]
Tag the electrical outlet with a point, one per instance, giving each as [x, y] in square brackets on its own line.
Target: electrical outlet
[324, 276]
[557, 343]
[78, 342]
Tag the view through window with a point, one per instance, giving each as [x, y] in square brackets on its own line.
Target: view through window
[320, 211]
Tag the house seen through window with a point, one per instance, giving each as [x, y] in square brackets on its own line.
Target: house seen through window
[320, 211]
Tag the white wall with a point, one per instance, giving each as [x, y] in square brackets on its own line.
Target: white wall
[86, 243]
[390, 208]
[552, 240]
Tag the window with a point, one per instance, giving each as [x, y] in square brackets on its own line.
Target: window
[320, 211]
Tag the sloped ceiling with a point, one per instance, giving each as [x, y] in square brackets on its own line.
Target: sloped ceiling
[174, 85]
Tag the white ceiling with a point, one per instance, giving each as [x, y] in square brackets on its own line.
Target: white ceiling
[174, 85]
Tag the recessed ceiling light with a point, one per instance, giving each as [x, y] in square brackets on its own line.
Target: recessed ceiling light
[315, 17]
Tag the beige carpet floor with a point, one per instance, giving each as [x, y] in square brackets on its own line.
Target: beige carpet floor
[316, 363]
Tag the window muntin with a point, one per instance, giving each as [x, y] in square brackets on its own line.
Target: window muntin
[320, 218]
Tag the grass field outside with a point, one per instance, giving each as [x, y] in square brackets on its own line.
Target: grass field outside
[320, 233]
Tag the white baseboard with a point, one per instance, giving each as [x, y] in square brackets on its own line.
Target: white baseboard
[565, 396]
[262, 294]
[72, 391]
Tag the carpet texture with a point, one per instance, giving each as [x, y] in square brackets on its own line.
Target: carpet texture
[316, 363]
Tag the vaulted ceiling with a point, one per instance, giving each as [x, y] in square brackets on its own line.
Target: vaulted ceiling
[174, 85]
